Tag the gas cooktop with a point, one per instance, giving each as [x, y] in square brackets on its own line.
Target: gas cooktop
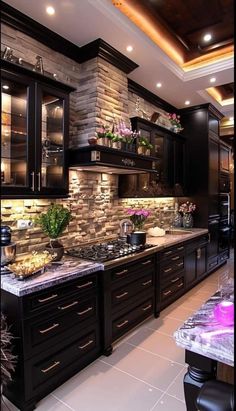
[106, 251]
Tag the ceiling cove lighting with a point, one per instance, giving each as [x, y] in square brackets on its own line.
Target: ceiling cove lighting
[207, 37]
[129, 48]
[5, 87]
[159, 85]
[187, 102]
[50, 10]
[212, 80]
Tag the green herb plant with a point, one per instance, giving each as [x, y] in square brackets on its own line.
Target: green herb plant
[54, 221]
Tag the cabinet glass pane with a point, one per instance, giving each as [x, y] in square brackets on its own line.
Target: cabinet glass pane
[52, 141]
[158, 145]
[14, 134]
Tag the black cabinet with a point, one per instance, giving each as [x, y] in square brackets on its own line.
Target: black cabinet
[35, 130]
[224, 158]
[195, 261]
[169, 149]
[57, 333]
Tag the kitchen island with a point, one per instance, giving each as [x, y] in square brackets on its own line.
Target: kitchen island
[207, 344]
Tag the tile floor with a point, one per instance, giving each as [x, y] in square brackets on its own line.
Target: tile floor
[145, 371]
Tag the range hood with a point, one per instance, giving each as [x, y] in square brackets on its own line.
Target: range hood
[103, 159]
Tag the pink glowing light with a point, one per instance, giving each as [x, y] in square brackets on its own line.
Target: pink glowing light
[224, 313]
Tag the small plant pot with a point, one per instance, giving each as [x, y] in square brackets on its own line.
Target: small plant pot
[56, 249]
[142, 150]
[116, 144]
[92, 141]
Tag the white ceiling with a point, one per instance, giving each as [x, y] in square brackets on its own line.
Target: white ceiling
[82, 21]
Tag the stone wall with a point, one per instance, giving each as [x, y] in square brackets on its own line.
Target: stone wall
[101, 95]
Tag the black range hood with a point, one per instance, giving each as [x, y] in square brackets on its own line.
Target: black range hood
[103, 159]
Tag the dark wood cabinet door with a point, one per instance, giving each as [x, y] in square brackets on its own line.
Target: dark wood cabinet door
[213, 227]
[224, 158]
[201, 261]
[179, 167]
[213, 176]
[18, 140]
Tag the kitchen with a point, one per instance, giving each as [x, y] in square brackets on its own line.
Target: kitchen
[94, 80]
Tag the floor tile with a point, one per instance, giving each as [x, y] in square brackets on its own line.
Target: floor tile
[168, 403]
[176, 389]
[101, 387]
[159, 344]
[49, 403]
[164, 325]
[143, 365]
[178, 312]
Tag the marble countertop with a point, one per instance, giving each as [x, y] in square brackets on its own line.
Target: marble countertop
[171, 239]
[55, 273]
[202, 334]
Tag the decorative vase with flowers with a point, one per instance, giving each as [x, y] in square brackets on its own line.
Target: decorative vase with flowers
[175, 122]
[186, 210]
[138, 218]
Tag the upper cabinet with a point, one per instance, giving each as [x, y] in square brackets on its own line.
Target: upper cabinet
[35, 131]
[169, 150]
[224, 158]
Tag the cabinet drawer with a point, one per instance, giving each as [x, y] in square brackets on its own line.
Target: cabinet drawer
[128, 291]
[175, 263]
[171, 279]
[44, 300]
[133, 317]
[212, 262]
[52, 366]
[40, 335]
[131, 270]
[171, 252]
[172, 289]
[223, 257]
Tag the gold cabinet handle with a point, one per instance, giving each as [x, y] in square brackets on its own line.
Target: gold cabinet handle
[33, 183]
[64, 307]
[180, 285]
[81, 347]
[175, 258]
[147, 282]
[146, 308]
[56, 363]
[167, 292]
[199, 253]
[180, 248]
[168, 252]
[49, 329]
[85, 311]
[122, 324]
[146, 262]
[176, 279]
[40, 300]
[39, 181]
[179, 265]
[168, 270]
[121, 272]
[122, 295]
[85, 285]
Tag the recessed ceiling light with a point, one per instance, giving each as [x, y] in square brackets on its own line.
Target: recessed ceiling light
[212, 80]
[129, 48]
[231, 119]
[187, 102]
[5, 87]
[207, 37]
[159, 85]
[50, 10]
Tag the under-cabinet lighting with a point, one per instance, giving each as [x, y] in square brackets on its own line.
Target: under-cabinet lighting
[50, 10]
[5, 87]
[207, 37]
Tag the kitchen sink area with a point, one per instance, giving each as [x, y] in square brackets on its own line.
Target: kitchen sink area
[178, 231]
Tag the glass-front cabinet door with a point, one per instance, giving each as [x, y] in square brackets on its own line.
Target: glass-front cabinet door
[51, 173]
[17, 135]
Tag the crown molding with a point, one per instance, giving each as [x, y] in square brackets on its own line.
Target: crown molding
[97, 48]
[212, 68]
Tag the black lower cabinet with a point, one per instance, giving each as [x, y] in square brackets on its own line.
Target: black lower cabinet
[57, 333]
[195, 261]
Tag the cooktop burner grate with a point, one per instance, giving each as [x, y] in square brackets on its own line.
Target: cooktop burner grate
[106, 251]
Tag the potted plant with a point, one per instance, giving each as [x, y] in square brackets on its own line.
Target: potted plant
[138, 218]
[144, 146]
[53, 223]
[105, 135]
[175, 122]
[116, 141]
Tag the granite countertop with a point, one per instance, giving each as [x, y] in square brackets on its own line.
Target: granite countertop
[74, 267]
[202, 334]
[55, 274]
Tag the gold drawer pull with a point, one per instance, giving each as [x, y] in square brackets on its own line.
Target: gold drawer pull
[64, 307]
[85, 285]
[180, 285]
[49, 329]
[122, 295]
[179, 265]
[48, 298]
[175, 258]
[147, 282]
[168, 270]
[122, 272]
[180, 248]
[56, 363]
[122, 324]
[147, 308]
[168, 252]
[85, 311]
[174, 281]
[167, 292]
[147, 262]
[81, 347]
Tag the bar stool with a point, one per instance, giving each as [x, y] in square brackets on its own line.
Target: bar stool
[215, 396]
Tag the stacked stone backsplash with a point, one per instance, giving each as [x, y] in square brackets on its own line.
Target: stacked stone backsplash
[96, 211]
